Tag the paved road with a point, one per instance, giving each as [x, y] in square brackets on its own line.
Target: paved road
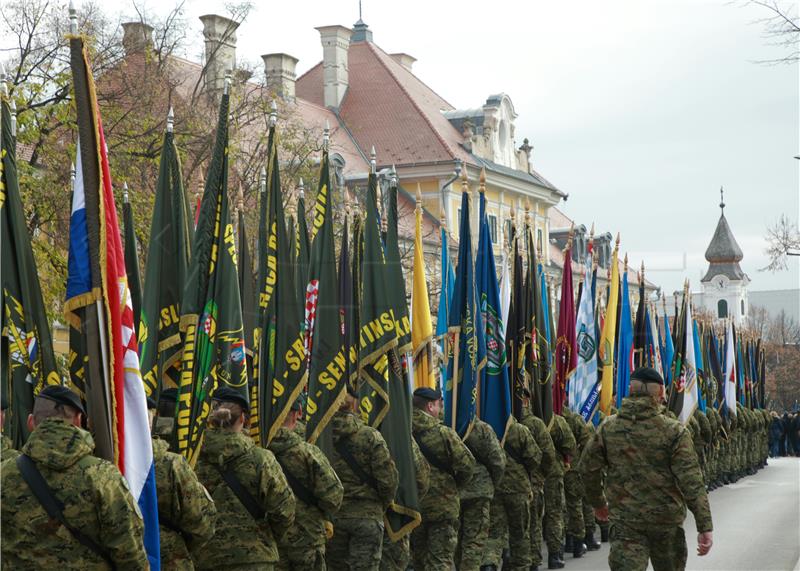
[756, 525]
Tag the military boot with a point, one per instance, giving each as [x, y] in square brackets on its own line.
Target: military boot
[554, 561]
[604, 533]
[578, 548]
[590, 541]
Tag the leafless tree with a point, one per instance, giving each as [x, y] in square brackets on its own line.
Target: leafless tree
[783, 240]
[781, 28]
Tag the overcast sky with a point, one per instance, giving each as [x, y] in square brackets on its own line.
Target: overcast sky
[640, 110]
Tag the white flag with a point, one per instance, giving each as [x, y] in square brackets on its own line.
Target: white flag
[730, 370]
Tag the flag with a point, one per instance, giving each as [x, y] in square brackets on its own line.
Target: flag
[653, 343]
[701, 375]
[494, 391]
[516, 342]
[448, 279]
[211, 312]
[544, 343]
[329, 371]
[346, 300]
[467, 355]
[584, 389]
[641, 358]
[166, 273]
[669, 351]
[247, 290]
[688, 381]
[302, 246]
[606, 349]
[566, 356]
[505, 291]
[132, 260]
[403, 514]
[28, 363]
[282, 348]
[625, 347]
[421, 326]
[377, 332]
[98, 296]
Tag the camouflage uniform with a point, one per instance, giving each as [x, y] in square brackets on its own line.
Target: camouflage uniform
[358, 526]
[641, 447]
[396, 554]
[241, 542]
[565, 446]
[580, 518]
[433, 542]
[705, 438]
[542, 437]
[511, 508]
[96, 500]
[186, 513]
[7, 450]
[477, 495]
[303, 547]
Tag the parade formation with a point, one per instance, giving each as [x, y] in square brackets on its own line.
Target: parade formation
[312, 419]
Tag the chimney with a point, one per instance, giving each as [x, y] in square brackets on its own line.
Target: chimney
[136, 37]
[280, 72]
[220, 37]
[405, 60]
[335, 43]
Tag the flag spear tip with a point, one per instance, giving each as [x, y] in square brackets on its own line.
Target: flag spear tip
[273, 113]
[326, 135]
[170, 119]
[393, 177]
[373, 160]
[125, 192]
[73, 18]
[482, 181]
[226, 90]
[419, 195]
[617, 239]
[301, 189]
[591, 232]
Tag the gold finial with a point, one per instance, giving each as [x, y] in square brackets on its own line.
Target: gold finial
[570, 236]
[591, 233]
[482, 179]
[240, 199]
[625, 264]
[641, 275]
[419, 196]
[464, 180]
[616, 247]
[527, 211]
[273, 113]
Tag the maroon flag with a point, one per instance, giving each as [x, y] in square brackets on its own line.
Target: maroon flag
[566, 357]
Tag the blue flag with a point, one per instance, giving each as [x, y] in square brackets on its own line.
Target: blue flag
[698, 355]
[494, 390]
[669, 352]
[445, 296]
[625, 347]
[468, 354]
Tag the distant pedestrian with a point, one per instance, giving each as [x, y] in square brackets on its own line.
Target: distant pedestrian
[775, 435]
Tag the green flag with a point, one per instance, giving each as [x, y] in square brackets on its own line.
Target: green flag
[166, 271]
[403, 513]
[324, 341]
[281, 353]
[27, 348]
[211, 312]
[247, 290]
[132, 260]
[302, 249]
[376, 334]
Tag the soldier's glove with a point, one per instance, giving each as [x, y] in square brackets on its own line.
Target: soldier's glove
[328, 529]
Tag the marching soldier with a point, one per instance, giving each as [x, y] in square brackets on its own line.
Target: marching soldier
[255, 506]
[565, 446]
[96, 523]
[433, 542]
[580, 517]
[362, 460]
[317, 491]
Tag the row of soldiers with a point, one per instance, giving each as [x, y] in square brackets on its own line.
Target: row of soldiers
[484, 503]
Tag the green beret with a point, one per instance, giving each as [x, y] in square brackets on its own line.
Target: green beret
[226, 394]
[647, 375]
[61, 395]
[428, 394]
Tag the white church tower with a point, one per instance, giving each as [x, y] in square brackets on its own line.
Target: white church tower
[725, 284]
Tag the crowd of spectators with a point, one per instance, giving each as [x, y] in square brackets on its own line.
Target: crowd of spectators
[784, 434]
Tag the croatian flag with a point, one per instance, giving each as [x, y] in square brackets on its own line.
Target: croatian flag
[97, 281]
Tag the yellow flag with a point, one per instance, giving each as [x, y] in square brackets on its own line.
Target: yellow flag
[421, 326]
[607, 337]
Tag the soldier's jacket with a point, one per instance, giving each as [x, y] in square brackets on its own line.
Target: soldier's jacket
[580, 430]
[442, 500]
[183, 504]
[362, 500]
[651, 469]
[96, 500]
[545, 442]
[523, 456]
[7, 450]
[490, 461]
[312, 470]
[564, 442]
[422, 470]
[705, 426]
[239, 539]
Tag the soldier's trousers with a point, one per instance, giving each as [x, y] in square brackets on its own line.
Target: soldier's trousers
[631, 548]
[433, 545]
[510, 517]
[395, 554]
[473, 534]
[554, 513]
[356, 544]
[308, 558]
[537, 513]
[573, 496]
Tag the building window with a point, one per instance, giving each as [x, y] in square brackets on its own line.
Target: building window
[493, 228]
[539, 241]
[507, 232]
[742, 308]
[722, 309]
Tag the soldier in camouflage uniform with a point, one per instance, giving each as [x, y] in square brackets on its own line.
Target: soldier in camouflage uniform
[317, 491]
[651, 475]
[543, 439]
[396, 555]
[361, 459]
[95, 497]
[7, 450]
[511, 508]
[565, 446]
[580, 517]
[186, 512]
[433, 542]
[476, 497]
[241, 541]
